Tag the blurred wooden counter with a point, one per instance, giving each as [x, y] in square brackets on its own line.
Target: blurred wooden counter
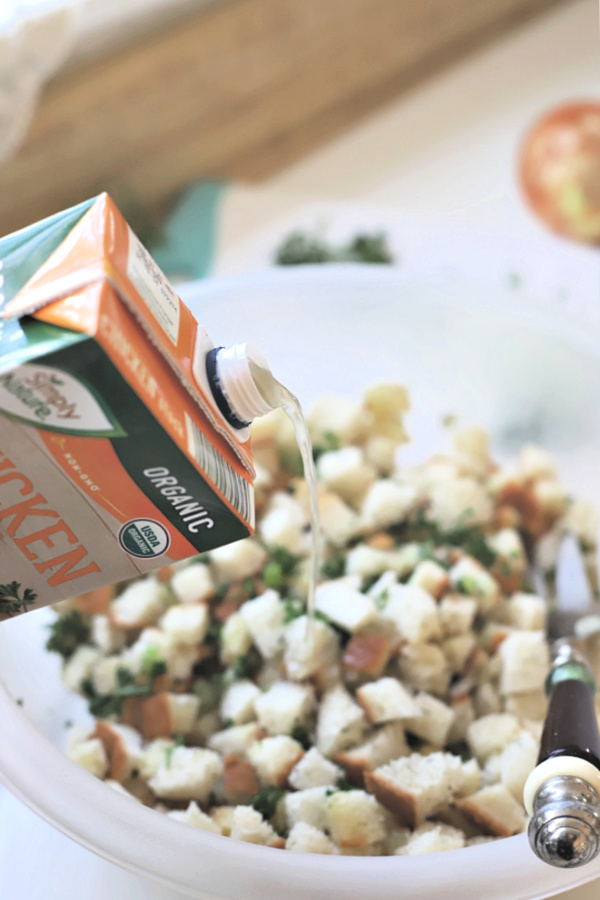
[236, 90]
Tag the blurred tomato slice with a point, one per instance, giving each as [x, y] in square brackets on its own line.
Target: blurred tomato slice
[560, 170]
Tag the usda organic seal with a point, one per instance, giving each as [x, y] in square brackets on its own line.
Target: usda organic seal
[144, 538]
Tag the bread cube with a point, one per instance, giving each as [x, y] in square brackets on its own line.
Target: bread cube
[458, 650]
[80, 666]
[457, 613]
[167, 714]
[471, 447]
[90, 755]
[486, 700]
[367, 561]
[282, 523]
[248, 825]
[236, 740]
[339, 523]
[517, 761]
[354, 819]
[238, 701]
[459, 499]
[344, 605]
[193, 584]
[284, 706]
[339, 416]
[346, 473]
[194, 816]
[495, 810]
[525, 662]
[530, 705]
[424, 667]
[415, 787]
[413, 613]
[304, 838]
[464, 714]
[123, 748]
[534, 463]
[307, 806]
[309, 647]
[236, 638]
[433, 720]
[431, 577]
[367, 654]
[222, 816]
[187, 624]
[341, 722]
[152, 643]
[141, 604]
[387, 743]
[492, 734]
[314, 770]
[105, 636]
[582, 519]
[189, 774]
[274, 758]
[385, 503]
[154, 756]
[237, 561]
[264, 617]
[527, 612]
[468, 577]
[380, 452]
[432, 838]
[387, 700]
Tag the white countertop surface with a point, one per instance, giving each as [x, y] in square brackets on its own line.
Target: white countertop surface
[438, 162]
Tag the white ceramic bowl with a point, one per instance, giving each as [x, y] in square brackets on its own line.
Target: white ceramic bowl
[493, 360]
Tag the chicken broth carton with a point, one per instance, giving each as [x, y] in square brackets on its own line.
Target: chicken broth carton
[114, 456]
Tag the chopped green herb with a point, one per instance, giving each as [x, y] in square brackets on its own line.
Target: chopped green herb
[370, 248]
[228, 723]
[460, 748]
[301, 734]
[266, 800]
[68, 633]
[380, 600]
[104, 705]
[286, 559]
[179, 742]
[208, 693]
[272, 575]
[213, 635]
[19, 701]
[300, 249]
[293, 608]
[330, 441]
[10, 600]
[368, 582]
[221, 591]
[245, 666]
[343, 785]
[334, 567]
[248, 586]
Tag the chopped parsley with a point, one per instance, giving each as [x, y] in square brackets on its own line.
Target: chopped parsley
[104, 705]
[301, 734]
[293, 608]
[328, 442]
[343, 785]
[178, 742]
[266, 800]
[245, 666]
[68, 633]
[334, 567]
[272, 575]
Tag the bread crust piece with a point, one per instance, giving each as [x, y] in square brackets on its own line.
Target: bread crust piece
[494, 810]
[403, 804]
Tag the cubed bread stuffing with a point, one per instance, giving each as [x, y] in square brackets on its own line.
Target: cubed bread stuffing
[404, 717]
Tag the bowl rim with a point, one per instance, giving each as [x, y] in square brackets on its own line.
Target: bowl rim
[157, 847]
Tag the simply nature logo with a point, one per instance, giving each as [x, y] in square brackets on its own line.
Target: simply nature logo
[50, 398]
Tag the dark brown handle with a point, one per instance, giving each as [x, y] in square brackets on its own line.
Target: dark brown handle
[571, 728]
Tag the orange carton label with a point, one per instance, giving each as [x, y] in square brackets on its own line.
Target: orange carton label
[114, 460]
